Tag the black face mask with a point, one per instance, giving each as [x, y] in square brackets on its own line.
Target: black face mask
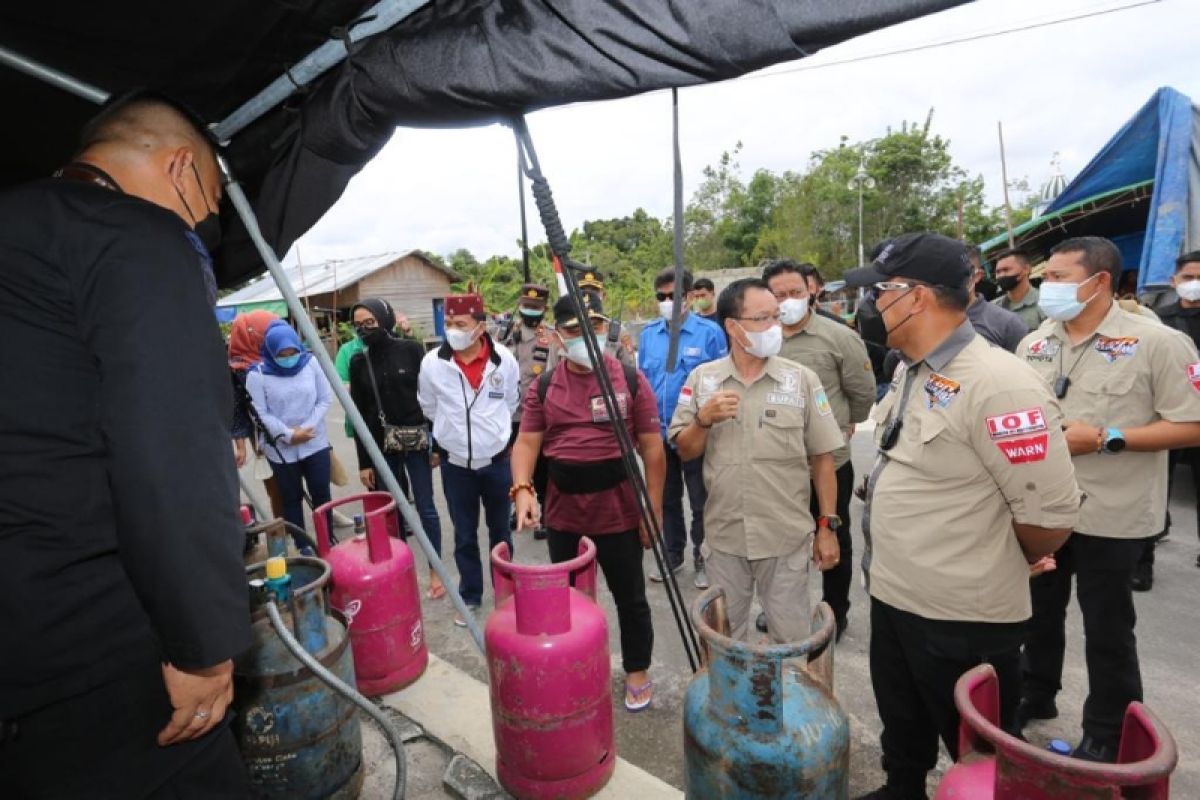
[209, 228]
[532, 322]
[1008, 282]
[372, 336]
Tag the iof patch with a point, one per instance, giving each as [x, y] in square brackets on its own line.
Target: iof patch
[1113, 348]
[1016, 423]
[685, 396]
[823, 407]
[1193, 372]
[1024, 451]
[785, 399]
[940, 390]
[1042, 350]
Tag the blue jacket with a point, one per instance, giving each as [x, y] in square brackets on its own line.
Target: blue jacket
[700, 341]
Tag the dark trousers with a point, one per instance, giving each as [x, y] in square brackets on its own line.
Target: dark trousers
[1102, 568]
[465, 490]
[835, 582]
[101, 745]
[1191, 457]
[412, 470]
[292, 477]
[915, 663]
[619, 556]
[680, 472]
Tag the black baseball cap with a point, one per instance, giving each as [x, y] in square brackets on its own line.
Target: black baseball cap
[927, 257]
[564, 309]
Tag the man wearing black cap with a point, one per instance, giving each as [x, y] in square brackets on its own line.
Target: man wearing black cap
[566, 419]
[530, 343]
[972, 485]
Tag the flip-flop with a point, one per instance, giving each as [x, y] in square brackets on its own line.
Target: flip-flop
[436, 592]
[642, 696]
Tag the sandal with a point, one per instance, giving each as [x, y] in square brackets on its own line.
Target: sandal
[639, 698]
[436, 591]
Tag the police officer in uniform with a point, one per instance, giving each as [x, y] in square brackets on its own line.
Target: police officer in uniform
[529, 339]
[972, 484]
[1130, 390]
[593, 281]
[761, 424]
[839, 358]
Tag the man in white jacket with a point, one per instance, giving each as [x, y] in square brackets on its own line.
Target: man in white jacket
[469, 389]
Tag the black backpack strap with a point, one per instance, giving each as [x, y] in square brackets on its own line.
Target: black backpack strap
[544, 384]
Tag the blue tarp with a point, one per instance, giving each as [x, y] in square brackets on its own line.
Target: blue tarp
[1156, 144]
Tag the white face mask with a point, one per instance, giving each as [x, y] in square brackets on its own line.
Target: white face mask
[459, 340]
[576, 351]
[1060, 300]
[764, 344]
[666, 308]
[792, 310]
[1189, 290]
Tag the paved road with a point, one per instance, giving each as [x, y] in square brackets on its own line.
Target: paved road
[1168, 634]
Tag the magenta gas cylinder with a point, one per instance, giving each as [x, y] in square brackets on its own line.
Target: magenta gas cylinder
[374, 585]
[549, 670]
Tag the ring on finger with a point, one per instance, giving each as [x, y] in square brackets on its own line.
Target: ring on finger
[202, 715]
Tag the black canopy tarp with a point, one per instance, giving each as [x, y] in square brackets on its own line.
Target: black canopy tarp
[453, 63]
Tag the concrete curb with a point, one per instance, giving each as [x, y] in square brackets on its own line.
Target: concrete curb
[454, 708]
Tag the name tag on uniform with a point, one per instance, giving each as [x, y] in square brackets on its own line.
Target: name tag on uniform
[496, 395]
[795, 400]
[1042, 350]
[600, 409]
[691, 352]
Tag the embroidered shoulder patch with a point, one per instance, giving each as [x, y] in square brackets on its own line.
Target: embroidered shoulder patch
[1025, 451]
[822, 402]
[1193, 373]
[1113, 348]
[1016, 423]
[685, 396]
[940, 390]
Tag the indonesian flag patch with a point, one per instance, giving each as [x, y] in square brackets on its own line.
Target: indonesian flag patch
[1193, 372]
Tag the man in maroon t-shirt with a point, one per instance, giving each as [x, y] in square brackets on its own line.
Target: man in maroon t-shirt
[589, 493]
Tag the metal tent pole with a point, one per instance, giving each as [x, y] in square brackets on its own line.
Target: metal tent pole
[242, 206]
[376, 19]
[52, 76]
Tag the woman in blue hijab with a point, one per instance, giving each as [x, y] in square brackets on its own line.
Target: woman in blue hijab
[291, 396]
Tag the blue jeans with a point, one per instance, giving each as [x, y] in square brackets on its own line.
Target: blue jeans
[314, 472]
[420, 478]
[674, 527]
[465, 489]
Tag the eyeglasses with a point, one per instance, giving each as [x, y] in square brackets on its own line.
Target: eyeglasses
[761, 318]
[794, 294]
[367, 323]
[662, 297]
[891, 286]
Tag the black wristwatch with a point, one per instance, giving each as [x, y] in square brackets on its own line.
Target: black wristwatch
[831, 521]
[1114, 441]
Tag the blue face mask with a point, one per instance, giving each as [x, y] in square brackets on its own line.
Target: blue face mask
[287, 362]
[1060, 300]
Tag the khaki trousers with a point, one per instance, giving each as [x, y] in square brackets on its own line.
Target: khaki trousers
[782, 585]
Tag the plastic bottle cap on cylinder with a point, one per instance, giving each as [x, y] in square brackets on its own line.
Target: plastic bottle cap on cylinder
[276, 568]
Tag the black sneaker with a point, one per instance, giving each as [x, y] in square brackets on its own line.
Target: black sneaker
[841, 623]
[1028, 710]
[1143, 578]
[1102, 751]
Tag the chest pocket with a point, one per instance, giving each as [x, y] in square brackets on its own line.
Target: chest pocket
[779, 437]
[825, 365]
[1103, 393]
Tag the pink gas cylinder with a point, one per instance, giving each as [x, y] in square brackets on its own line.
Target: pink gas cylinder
[374, 585]
[992, 764]
[548, 663]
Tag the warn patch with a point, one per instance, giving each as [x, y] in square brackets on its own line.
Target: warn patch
[1016, 423]
[1193, 373]
[940, 390]
[1024, 451]
[1113, 348]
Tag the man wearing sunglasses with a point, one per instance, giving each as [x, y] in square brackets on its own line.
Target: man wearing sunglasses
[700, 341]
[973, 484]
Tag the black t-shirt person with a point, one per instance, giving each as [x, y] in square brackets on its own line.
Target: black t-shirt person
[120, 542]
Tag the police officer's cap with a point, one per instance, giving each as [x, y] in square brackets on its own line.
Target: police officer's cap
[591, 279]
[927, 257]
[535, 293]
[564, 310]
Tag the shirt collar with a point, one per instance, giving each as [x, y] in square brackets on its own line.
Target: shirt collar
[1109, 326]
[951, 346]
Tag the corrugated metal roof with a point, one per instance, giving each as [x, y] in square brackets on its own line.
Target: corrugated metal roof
[313, 279]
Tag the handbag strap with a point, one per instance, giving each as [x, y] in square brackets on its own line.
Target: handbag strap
[375, 388]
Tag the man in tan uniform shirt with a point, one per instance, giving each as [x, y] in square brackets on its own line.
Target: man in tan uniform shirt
[972, 484]
[760, 421]
[836, 353]
[1130, 390]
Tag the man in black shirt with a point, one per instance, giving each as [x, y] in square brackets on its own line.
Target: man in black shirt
[1182, 315]
[121, 585]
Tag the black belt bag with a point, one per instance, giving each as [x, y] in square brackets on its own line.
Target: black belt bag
[585, 477]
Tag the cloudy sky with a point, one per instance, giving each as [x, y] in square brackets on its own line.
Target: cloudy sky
[1062, 88]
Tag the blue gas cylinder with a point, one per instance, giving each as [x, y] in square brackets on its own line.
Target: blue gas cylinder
[297, 736]
[762, 721]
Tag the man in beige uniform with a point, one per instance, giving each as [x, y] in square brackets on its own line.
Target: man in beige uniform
[1130, 390]
[836, 353]
[972, 484]
[760, 422]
